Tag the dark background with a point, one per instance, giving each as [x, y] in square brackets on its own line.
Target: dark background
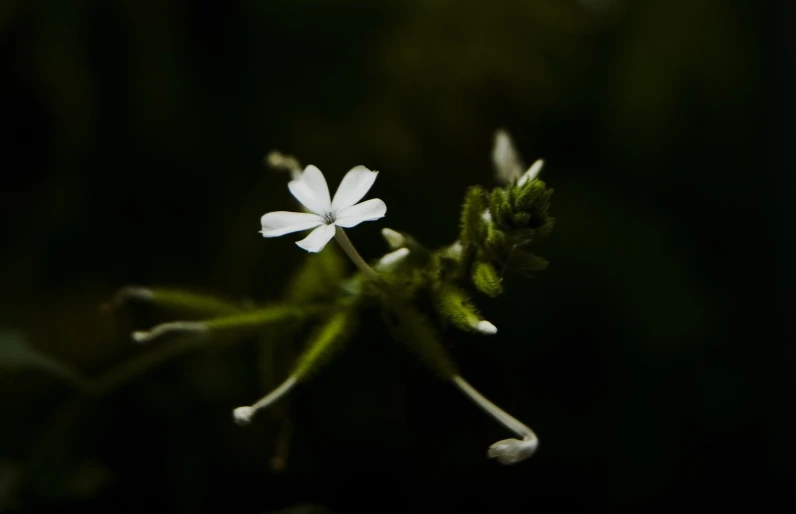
[654, 358]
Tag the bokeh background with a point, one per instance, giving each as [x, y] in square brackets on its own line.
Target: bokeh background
[653, 358]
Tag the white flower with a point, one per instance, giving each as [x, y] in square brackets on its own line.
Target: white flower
[343, 211]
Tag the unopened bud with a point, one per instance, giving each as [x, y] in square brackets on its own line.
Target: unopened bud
[394, 239]
[486, 327]
[392, 258]
[532, 172]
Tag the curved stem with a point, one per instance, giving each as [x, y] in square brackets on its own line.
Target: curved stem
[507, 451]
[276, 394]
[243, 415]
[493, 410]
[143, 336]
[353, 254]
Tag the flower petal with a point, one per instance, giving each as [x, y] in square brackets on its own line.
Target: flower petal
[282, 222]
[532, 172]
[317, 239]
[353, 187]
[507, 162]
[311, 190]
[366, 211]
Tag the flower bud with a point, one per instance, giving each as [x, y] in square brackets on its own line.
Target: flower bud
[532, 172]
[394, 239]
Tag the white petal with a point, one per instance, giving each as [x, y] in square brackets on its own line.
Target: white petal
[281, 222]
[317, 239]
[311, 190]
[354, 186]
[368, 210]
[532, 172]
[508, 165]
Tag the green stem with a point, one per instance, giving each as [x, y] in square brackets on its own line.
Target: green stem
[353, 254]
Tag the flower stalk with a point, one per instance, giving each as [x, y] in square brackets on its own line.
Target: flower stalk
[243, 415]
[507, 451]
[145, 336]
[349, 249]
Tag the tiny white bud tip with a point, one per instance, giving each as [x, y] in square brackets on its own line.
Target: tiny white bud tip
[243, 415]
[393, 238]
[455, 250]
[393, 257]
[532, 172]
[486, 327]
[140, 336]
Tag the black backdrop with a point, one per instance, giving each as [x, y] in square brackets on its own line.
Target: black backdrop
[653, 358]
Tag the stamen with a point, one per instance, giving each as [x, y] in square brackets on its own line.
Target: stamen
[143, 336]
[507, 451]
[243, 415]
[278, 161]
[128, 293]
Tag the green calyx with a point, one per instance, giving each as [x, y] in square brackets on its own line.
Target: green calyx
[498, 226]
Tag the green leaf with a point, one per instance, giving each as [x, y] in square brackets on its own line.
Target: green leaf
[499, 207]
[176, 300]
[318, 277]
[17, 354]
[472, 210]
[526, 261]
[455, 306]
[486, 279]
[325, 342]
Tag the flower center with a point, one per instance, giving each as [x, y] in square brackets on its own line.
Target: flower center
[329, 218]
